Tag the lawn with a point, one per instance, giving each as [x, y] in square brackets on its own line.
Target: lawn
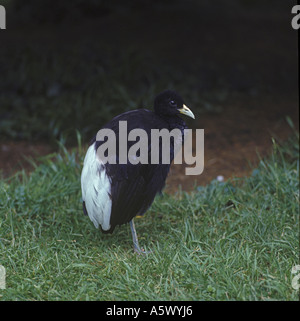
[235, 240]
[232, 240]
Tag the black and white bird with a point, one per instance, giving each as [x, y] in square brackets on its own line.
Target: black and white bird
[114, 193]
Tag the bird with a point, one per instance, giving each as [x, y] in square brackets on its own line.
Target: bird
[114, 193]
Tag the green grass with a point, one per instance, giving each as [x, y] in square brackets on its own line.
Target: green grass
[236, 240]
[58, 92]
[50, 87]
[79, 91]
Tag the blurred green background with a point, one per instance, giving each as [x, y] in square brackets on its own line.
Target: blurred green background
[68, 65]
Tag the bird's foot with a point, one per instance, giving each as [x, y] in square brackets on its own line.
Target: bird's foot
[141, 251]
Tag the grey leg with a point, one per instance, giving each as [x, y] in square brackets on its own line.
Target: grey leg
[135, 240]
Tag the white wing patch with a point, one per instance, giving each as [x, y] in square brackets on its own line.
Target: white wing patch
[96, 188]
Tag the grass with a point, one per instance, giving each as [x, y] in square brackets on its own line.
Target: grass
[53, 96]
[49, 87]
[236, 240]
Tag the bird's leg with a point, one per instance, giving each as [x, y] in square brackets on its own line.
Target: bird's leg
[136, 246]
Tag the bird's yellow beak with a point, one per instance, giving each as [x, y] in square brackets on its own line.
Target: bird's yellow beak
[186, 111]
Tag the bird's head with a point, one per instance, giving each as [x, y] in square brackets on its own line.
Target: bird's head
[169, 103]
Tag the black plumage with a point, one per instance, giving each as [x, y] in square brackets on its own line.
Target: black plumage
[133, 186]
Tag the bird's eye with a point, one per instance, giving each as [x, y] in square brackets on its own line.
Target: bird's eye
[172, 103]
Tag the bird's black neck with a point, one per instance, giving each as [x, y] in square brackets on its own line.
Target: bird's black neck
[174, 122]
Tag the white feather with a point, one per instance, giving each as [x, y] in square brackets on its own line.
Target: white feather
[96, 188]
